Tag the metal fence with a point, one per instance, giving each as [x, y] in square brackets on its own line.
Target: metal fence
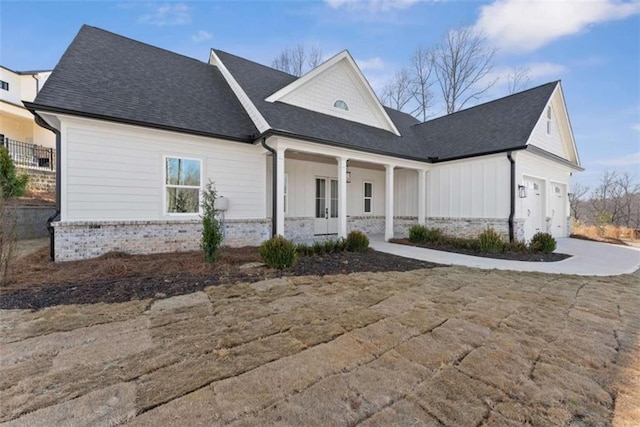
[30, 155]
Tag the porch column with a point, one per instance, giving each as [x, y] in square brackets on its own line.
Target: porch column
[422, 196]
[388, 203]
[342, 197]
[280, 191]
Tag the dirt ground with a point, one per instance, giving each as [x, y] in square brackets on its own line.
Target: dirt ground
[440, 346]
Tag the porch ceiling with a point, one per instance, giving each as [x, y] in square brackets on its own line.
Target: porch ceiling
[318, 158]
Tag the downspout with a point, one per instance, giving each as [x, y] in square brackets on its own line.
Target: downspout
[274, 186]
[56, 215]
[512, 207]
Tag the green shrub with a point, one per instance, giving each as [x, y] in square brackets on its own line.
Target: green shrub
[357, 242]
[304, 250]
[459, 242]
[278, 252]
[433, 235]
[417, 234]
[318, 248]
[542, 242]
[11, 184]
[490, 241]
[211, 228]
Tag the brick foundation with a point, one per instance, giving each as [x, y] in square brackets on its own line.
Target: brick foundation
[88, 239]
[471, 227]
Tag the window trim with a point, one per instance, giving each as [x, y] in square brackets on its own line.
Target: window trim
[200, 188]
[549, 116]
[285, 193]
[364, 198]
[4, 85]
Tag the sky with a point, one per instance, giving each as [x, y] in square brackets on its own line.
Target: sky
[593, 46]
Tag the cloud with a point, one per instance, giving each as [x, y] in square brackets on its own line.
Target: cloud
[167, 14]
[628, 160]
[538, 70]
[375, 63]
[526, 25]
[371, 5]
[201, 36]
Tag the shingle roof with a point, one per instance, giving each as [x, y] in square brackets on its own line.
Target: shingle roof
[107, 75]
[499, 125]
[112, 77]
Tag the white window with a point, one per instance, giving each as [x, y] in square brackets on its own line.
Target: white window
[368, 198]
[286, 193]
[340, 104]
[549, 120]
[183, 183]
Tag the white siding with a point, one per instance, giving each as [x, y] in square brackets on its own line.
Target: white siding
[320, 93]
[474, 188]
[115, 172]
[405, 201]
[301, 179]
[549, 142]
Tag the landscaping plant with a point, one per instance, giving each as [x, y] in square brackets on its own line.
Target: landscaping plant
[357, 242]
[278, 252]
[490, 241]
[418, 234]
[11, 184]
[211, 228]
[542, 242]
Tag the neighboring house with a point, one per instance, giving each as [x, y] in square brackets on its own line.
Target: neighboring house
[142, 130]
[30, 145]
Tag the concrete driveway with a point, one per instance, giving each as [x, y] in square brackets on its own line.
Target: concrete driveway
[588, 258]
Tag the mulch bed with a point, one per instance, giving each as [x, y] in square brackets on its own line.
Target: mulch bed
[91, 290]
[511, 256]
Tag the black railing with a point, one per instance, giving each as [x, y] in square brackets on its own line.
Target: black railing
[30, 155]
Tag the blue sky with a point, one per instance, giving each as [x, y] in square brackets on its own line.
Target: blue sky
[592, 46]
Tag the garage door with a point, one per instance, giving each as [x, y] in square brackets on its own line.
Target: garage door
[558, 205]
[533, 208]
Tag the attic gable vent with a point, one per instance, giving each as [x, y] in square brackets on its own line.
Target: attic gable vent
[340, 104]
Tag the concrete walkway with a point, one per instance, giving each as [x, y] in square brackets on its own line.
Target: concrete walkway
[588, 258]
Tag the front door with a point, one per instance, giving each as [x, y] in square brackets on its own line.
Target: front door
[326, 202]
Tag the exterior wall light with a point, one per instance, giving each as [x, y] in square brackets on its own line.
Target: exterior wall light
[522, 191]
[348, 177]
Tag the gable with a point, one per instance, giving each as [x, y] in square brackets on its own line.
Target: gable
[337, 81]
[559, 139]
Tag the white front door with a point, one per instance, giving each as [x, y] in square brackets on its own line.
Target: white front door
[533, 208]
[558, 205]
[326, 204]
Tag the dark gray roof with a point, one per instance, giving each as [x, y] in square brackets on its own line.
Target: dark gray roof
[109, 76]
[499, 125]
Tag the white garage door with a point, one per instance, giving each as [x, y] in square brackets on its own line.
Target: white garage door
[558, 205]
[533, 208]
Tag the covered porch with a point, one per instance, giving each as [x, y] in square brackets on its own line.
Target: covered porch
[326, 192]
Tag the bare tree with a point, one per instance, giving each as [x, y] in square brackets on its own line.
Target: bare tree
[576, 197]
[397, 92]
[298, 60]
[421, 81]
[518, 79]
[614, 201]
[463, 61]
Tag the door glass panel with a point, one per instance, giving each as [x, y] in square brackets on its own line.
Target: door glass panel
[334, 198]
[320, 197]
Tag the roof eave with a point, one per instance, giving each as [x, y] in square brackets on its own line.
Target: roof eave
[553, 157]
[33, 107]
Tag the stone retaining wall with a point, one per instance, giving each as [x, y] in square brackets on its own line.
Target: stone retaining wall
[39, 179]
[88, 239]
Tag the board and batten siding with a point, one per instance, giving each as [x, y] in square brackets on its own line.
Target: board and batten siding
[301, 176]
[115, 172]
[471, 188]
[405, 185]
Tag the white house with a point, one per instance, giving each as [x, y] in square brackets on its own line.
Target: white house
[29, 144]
[141, 131]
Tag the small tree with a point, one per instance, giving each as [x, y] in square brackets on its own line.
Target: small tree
[11, 184]
[211, 229]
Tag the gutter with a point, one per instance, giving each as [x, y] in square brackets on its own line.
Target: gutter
[56, 215]
[512, 204]
[274, 186]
